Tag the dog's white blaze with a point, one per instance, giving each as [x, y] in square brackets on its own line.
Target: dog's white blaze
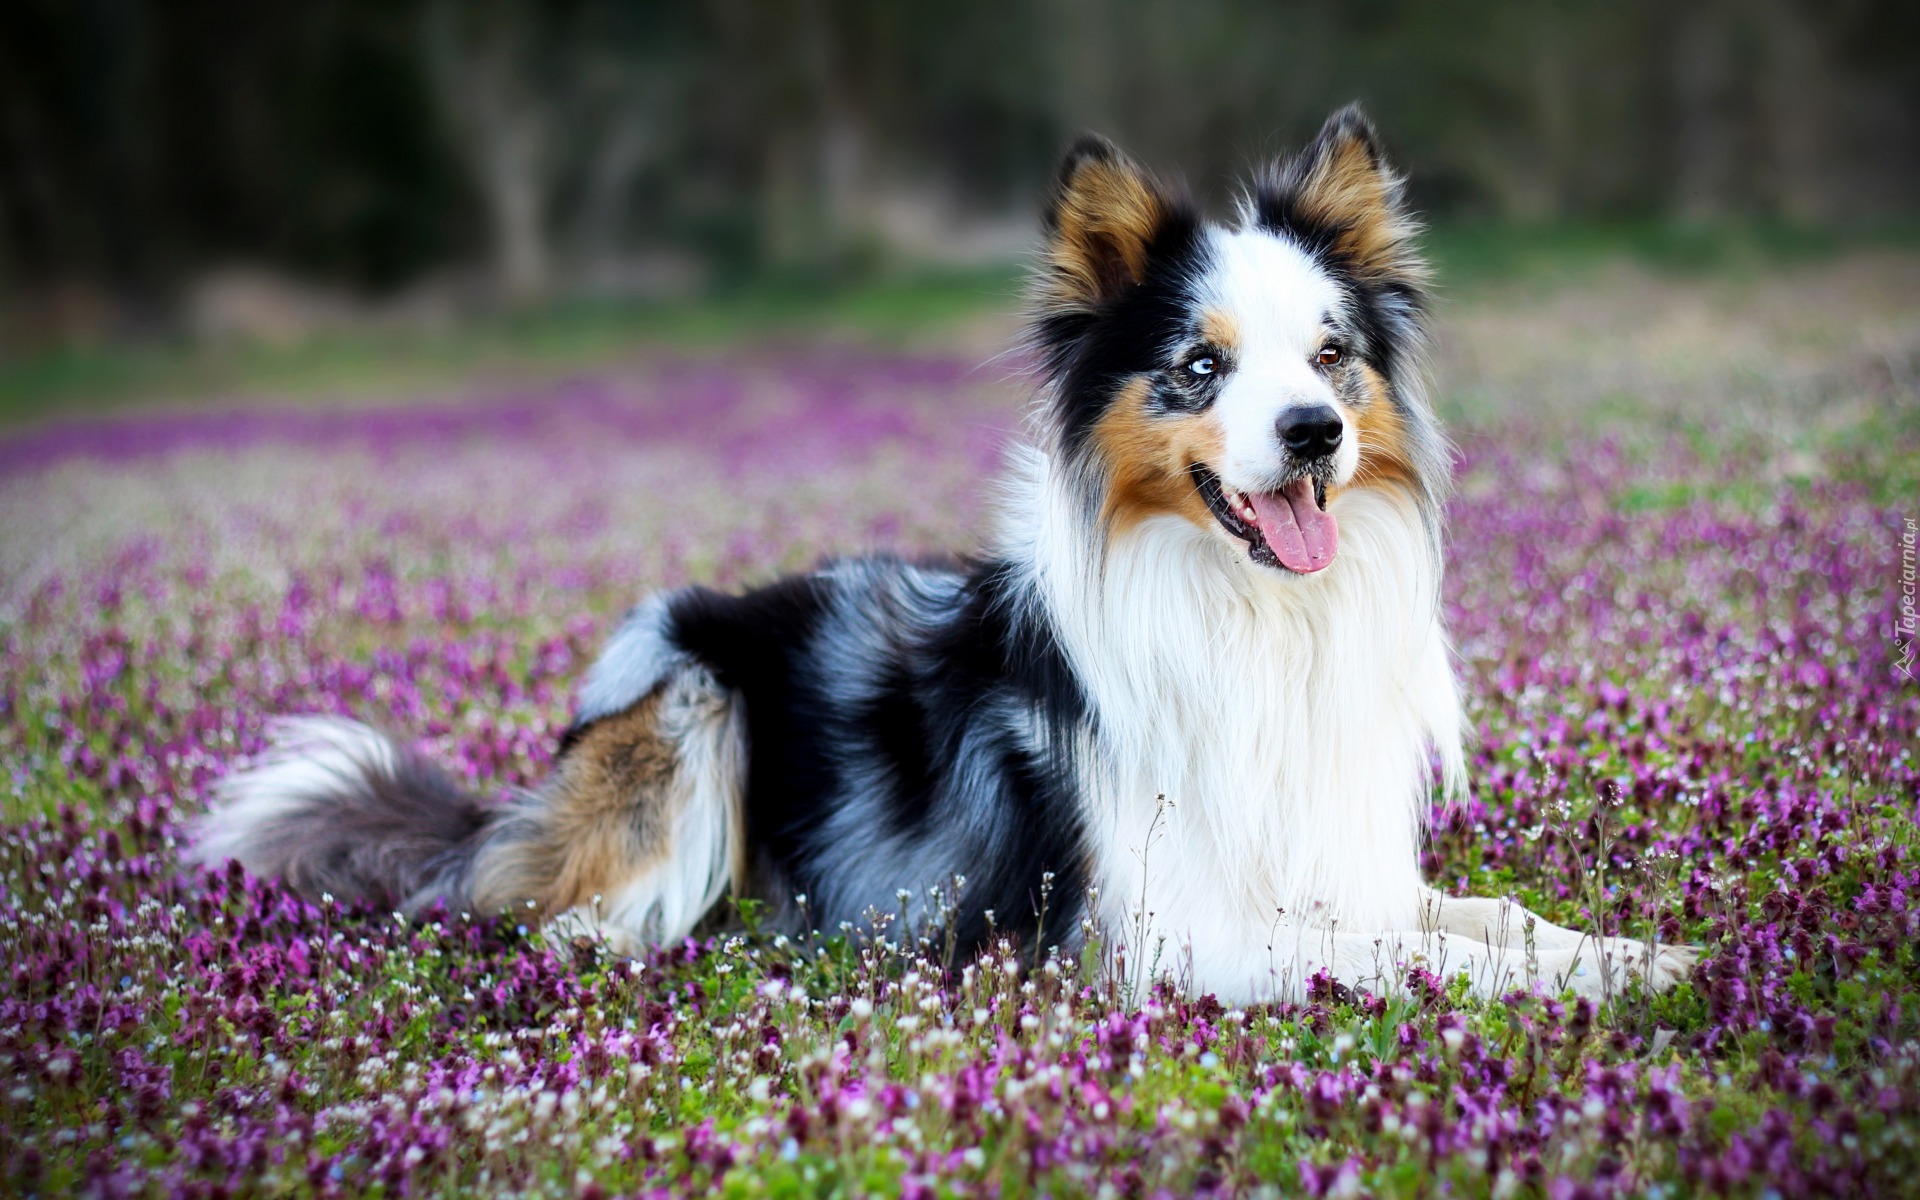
[1278, 299]
[1286, 720]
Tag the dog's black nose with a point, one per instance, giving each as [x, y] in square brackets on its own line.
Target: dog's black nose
[1310, 431]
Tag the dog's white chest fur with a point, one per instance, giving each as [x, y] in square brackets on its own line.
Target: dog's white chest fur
[1259, 753]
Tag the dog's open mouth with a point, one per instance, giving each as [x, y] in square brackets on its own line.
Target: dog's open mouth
[1290, 528]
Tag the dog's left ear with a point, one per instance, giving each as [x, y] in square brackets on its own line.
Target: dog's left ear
[1339, 197]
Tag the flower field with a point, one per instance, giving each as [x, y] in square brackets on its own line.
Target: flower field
[1674, 577]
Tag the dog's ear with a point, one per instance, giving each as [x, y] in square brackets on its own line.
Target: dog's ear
[1339, 197]
[1102, 216]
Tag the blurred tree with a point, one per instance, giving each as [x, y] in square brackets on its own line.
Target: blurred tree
[487, 60]
[373, 142]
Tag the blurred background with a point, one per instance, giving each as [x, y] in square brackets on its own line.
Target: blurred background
[181, 177]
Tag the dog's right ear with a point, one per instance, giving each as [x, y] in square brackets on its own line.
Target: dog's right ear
[1102, 216]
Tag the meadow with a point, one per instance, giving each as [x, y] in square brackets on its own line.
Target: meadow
[1675, 562]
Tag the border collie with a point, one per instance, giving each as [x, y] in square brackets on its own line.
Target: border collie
[1191, 696]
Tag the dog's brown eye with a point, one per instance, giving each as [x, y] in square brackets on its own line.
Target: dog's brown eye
[1329, 355]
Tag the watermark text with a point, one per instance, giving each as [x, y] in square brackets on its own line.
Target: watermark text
[1906, 627]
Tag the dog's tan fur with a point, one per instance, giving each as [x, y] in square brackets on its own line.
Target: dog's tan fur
[1148, 457]
[1350, 190]
[1221, 331]
[600, 821]
[1108, 213]
[1384, 453]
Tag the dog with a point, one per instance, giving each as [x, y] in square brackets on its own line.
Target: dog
[1189, 702]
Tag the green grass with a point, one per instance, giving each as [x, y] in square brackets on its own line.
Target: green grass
[1470, 256]
[906, 308]
[903, 310]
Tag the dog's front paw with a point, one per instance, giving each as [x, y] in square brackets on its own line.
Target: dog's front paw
[1671, 965]
[1601, 968]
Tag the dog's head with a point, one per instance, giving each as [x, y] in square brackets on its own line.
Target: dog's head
[1241, 376]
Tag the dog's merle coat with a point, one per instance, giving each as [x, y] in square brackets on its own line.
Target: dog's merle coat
[1190, 694]
[906, 725]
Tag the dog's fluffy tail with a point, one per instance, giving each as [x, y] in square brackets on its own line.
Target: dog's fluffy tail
[639, 829]
[336, 808]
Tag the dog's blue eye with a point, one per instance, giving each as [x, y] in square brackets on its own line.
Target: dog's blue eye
[1201, 366]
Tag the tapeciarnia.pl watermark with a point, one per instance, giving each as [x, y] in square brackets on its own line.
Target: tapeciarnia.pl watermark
[1906, 628]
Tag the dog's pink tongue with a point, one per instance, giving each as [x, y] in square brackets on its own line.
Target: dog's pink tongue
[1302, 535]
